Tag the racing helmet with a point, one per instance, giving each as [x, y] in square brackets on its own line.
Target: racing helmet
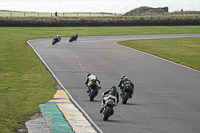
[123, 76]
[88, 74]
[114, 87]
[58, 36]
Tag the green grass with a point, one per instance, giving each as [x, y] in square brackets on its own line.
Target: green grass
[25, 82]
[185, 51]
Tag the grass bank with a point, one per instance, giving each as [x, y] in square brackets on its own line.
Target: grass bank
[25, 82]
[185, 51]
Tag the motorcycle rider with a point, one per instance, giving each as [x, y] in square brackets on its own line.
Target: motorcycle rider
[75, 36]
[89, 79]
[124, 80]
[57, 37]
[111, 93]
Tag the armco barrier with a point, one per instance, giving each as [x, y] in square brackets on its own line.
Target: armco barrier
[79, 24]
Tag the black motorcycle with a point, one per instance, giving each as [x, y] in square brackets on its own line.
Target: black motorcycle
[126, 93]
[108, 108]
[93, 90]
[73, 38]
[56, 39]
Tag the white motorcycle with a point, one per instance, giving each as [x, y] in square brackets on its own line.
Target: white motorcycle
[109, 107]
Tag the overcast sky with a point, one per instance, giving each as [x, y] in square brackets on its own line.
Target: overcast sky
[112, 6]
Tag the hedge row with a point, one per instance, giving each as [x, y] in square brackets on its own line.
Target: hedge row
[78, 24]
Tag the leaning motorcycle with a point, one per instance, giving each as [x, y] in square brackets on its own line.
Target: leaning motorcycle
[93, 90]
[55, 40]
[108, 108]
[126, 93]
[73, 38]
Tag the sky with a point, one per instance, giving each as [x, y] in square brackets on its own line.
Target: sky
[112, 6]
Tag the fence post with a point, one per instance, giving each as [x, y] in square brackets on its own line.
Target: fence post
[24, 14]
[77, 14]
[38, 14]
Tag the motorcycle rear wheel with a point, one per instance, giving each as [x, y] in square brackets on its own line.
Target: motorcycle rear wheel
[54, 42]
[125, 97]
[107, 113]
[71, 39]
[92, 94]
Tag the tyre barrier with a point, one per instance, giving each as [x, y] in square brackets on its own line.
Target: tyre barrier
[92, 24]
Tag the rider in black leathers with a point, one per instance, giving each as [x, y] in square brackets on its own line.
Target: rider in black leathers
[57, 37]
[123, 82]
[111, 93]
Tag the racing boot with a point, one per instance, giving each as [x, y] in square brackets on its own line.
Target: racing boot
[121, 94]
[131, 94]
[112, 111]
[98, 88]
[88, 90]
[101, 110]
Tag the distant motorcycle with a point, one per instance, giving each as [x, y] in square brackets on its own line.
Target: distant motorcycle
[93, 90]
[108, 108]
[56, 39]
[73, 38]
[126, 93]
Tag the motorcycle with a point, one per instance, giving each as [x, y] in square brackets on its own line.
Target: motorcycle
[126, 93]
[108, 108]
[73, 38]
[56, 39]
[93, 90]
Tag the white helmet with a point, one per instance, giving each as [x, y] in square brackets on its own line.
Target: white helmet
[123, 76]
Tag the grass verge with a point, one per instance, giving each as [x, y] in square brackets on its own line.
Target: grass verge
[25, 82]
[185, 51]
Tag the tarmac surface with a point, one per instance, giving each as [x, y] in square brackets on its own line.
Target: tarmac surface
[38, 125]
[167, 94]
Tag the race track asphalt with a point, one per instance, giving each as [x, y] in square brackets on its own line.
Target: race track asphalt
[167, 95]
